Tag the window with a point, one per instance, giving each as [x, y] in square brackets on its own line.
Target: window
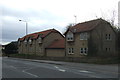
[25, 41]
[83, 51]
[107, 49]
[70, 51]
[83, 36]
[30, 41]
[108, 36]
[70, 36]
[39, 40]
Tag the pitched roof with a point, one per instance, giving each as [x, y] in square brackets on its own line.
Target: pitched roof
[58, 43]
[35, 35]
[85, 26]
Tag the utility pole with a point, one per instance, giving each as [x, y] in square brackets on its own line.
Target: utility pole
[26, 26]
[75, 19]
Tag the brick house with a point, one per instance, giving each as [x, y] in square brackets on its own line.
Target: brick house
[95, 37]
[36, 43]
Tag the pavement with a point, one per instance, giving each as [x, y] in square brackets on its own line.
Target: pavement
[56, 69]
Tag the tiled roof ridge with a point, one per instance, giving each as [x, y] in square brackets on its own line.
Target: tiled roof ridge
[84, 25]
[34, 35]
[90, 21]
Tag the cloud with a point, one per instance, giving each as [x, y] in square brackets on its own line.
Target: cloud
[46, 14]
[37, 21]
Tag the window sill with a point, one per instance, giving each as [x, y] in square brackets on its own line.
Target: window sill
[83, 54]
[70, 40]
[70, 53]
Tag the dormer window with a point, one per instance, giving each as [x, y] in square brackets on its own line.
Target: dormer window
[25, 41]
[39, 40]
[30, 41]
[83, 36]
[70, 36]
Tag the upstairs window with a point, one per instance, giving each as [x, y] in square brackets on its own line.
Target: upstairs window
[25, 41]
[70, 51]
[108, 36]
[83, 36]
[39, 40]
[70, 36]
[30, 41]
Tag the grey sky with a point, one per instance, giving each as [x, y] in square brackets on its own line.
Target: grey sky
[47, 14]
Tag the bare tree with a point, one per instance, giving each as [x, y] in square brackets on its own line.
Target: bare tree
[67, 27]
[111, 16]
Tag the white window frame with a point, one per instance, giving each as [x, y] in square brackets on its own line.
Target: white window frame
[30, 41]
[108, 37]
[70, 36]
[84, 36]
[70, 50]
[39, 39]
[84, 51]
[25, 41]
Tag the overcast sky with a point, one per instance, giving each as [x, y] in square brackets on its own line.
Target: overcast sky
[48, 14]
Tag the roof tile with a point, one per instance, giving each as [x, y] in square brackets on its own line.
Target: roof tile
[35, 35]
[58, 43]
[85, 26]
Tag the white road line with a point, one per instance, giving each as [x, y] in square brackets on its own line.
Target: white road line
[29, 73]
[24, 71]
[13, 67]
[84, 71]
[62, 70]
[56, 67]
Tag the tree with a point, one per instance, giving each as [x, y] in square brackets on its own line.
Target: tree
[68, 26]
[111, 16]
[11, 48]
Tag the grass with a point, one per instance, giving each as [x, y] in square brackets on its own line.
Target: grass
[93, 60]
[112, 60]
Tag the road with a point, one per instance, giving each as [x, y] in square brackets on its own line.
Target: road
[20, 68]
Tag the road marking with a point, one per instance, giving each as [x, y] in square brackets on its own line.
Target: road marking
[56, 67]
[29, 73]
[62, 70]
[84, 71]
[13, 67]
